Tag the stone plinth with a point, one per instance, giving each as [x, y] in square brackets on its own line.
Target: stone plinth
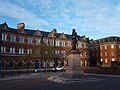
[74, 68]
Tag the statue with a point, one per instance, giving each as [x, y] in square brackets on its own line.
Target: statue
[74, 39]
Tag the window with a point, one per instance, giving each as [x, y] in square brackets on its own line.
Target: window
[29, 40]
[34, 41]
[21, 51]
[100, 47]
[105, 53]
[11, 64]
[3, 49]
[105, 47]
[20, 63]
[112, 46]
[38, 41]
[17, 38]
[69, 43]
[57, 43]
[12, 38]
[101, 54]
[29, 51]
[101, 60]
[112, 53]
[8, 37]
[7, 50]
[26, 40]
[4, 37]
[29, 63]
[56, 52]
[106, 61]
[63, 43]
[83, 45]
[2, 64]
[51, 42]
[12, 50]
[79, 44]
[113, 59]
[21, 39]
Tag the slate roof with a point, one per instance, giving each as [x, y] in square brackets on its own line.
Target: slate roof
[32, 32]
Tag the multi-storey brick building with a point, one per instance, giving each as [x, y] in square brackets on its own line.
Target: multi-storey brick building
[105, 50]
[17, 43]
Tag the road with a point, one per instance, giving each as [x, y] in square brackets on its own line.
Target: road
[38, 82]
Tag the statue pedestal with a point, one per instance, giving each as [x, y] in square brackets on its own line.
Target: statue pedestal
[73, 63]
[74, 69]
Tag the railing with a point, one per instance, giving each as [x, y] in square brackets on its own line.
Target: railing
[15, 72]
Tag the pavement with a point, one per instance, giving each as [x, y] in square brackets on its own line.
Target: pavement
[30, 75]
[38, 81]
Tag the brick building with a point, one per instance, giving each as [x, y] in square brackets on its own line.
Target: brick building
[17, 43]
[105, 51]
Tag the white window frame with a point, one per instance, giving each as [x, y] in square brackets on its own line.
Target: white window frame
[106, 60]
[105, 46]
[100, 47]
[21, 51]
[29, 40]
[12, 50]
[4, 37]
[3, 49]
[29, 51]
[12, 38]
[112, 46]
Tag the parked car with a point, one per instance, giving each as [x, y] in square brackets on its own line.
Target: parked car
[39, 70]
[43, 69]
[60, 68]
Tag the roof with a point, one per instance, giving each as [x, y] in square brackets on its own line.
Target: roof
[32, 32]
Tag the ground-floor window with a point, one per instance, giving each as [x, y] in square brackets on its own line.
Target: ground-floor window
[2, 64]
[20, 64]
[11, 64]
[29, 63]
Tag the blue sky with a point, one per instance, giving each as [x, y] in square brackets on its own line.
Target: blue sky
[93, 18]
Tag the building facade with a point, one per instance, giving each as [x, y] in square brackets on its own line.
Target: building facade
[105, 51]
[17, 43]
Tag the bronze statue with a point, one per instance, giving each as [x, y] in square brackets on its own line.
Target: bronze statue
[74, 39]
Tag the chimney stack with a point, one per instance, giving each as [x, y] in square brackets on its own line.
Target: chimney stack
[21, 26]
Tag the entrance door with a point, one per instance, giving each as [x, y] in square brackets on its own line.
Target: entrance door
[37, 65]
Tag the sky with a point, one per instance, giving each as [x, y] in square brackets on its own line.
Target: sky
[93, 18]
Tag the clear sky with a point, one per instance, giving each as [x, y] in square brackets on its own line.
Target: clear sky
[93, 18]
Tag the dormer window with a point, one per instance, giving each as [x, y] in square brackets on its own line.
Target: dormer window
[63, 36]
[34, 41]
[38, 33]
